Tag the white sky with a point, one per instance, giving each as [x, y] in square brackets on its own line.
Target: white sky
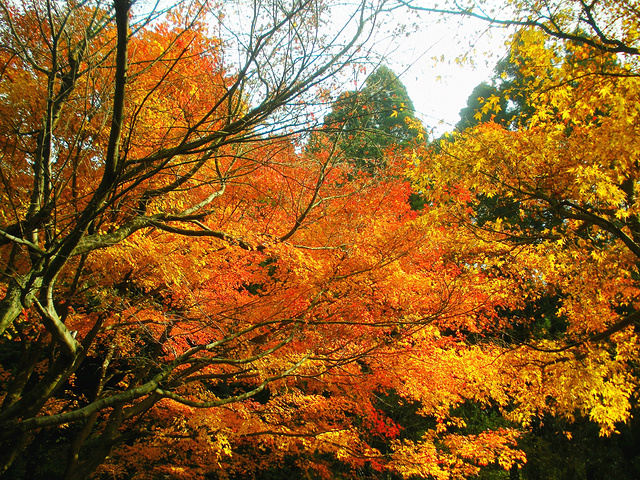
[439, 89]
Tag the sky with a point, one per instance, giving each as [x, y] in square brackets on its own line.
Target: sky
[439, 89]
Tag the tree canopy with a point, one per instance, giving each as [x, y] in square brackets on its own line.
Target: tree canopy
[199, 280]
[572, 167]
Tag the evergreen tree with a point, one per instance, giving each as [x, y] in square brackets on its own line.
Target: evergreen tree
[510, 105]
[371, 120]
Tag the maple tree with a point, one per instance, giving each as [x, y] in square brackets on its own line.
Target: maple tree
[111, 129]
[550, 454]
[568, 172]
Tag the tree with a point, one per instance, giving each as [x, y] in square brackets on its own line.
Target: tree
[116, 122]
[473, 113]
[504, 101]
[573, 163]
[550, 453]
[369, 121]
[367, 285]
[592, 24]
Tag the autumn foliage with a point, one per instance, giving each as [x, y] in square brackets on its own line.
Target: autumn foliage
[199, 283]
[552, 201]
